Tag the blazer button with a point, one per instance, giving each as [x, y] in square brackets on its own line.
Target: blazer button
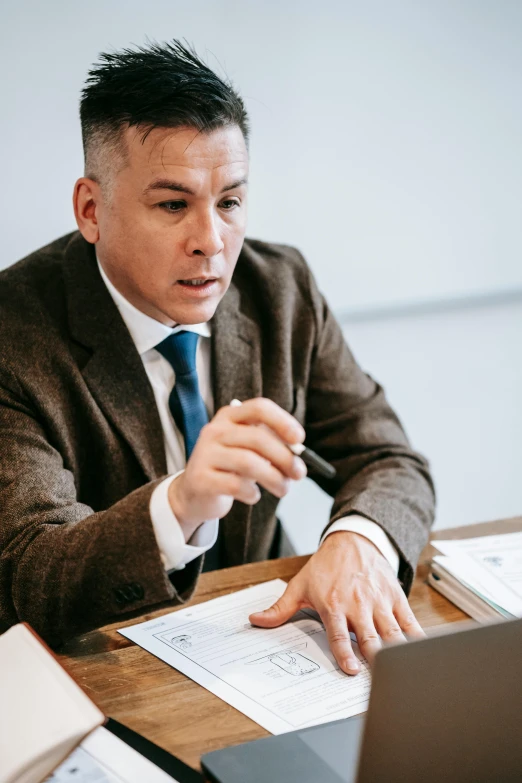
[119, 596]
[137, 591]
[127, 594]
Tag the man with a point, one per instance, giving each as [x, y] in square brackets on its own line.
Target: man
[123, 467]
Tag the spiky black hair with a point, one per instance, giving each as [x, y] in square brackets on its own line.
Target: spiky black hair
[158, 86]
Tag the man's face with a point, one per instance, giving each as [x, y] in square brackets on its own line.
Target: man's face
[176, 216]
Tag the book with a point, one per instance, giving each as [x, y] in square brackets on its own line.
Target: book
[482, 576]
[50, 727]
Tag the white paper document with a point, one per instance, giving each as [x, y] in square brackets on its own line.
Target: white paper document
[493, 565]
[104, 758]
[283, 678]
[465, 588]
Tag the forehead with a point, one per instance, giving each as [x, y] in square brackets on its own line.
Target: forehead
[187, 151]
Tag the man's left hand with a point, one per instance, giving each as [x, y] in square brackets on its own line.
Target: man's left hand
[353, 588]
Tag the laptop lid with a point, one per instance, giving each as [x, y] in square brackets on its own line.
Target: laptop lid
[447, 708]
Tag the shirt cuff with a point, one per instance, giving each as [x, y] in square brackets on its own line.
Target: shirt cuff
[354, 523]
[174, 550]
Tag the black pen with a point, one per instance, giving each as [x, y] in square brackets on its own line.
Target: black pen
[308, 456]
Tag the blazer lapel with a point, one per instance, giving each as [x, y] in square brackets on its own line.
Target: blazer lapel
[114, 373]
[236, 375]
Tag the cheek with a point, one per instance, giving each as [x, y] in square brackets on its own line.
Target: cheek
[151, 243]
[120, 228]
[233, 242]
[233, 235]
[145, 264]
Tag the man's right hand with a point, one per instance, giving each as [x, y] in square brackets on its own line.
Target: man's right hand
[231, 457]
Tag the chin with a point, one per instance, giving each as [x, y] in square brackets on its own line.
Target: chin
[194, 313]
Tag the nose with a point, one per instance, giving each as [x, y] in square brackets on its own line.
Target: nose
[204, 238]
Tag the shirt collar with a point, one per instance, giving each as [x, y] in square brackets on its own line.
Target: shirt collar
[145, 331]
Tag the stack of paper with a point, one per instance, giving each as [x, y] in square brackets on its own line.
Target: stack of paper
[482, 576]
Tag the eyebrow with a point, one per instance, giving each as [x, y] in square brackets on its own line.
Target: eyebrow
[178, 187]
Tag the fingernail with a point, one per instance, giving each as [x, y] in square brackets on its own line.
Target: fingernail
[286, 484]
[299, 467]
[299, 432]
[351, 666]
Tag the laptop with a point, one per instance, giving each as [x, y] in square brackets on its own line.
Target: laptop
[443, 709]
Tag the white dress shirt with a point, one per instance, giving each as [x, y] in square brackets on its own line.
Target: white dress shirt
[146, 333]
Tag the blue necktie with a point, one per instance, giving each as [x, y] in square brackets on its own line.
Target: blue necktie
[187, 406]
[185, 401]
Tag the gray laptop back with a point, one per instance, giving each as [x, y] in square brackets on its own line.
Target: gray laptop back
[443, 709]
[447, 709]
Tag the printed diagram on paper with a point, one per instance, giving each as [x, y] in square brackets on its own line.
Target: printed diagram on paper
[284, 678]
[290, 661]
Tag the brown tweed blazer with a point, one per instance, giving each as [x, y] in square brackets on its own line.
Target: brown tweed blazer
[81, 445]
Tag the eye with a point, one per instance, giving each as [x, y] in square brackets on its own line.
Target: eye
[230, 203]
[173, 206]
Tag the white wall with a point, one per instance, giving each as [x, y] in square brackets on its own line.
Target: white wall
[386, 135]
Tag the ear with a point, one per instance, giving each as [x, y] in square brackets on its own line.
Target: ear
[87, 198]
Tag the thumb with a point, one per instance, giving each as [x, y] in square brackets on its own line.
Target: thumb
[283, 609]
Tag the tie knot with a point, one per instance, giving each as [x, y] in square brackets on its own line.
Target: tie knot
[179, 350]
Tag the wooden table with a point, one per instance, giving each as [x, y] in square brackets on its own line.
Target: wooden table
[147, 695]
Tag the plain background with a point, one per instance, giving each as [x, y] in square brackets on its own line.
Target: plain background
[385, 145]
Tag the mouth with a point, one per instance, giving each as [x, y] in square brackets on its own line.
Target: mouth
[198, 286]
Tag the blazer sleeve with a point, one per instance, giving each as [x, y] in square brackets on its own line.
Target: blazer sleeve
[350, 423]
[65, 569]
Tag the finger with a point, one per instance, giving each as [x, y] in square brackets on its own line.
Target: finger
[367, 637]
[407, 620]
[387, 626]
[268, 445]
[242, 489]
[339, 641]
[250, 465]
[283, 609]
[263, 411]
